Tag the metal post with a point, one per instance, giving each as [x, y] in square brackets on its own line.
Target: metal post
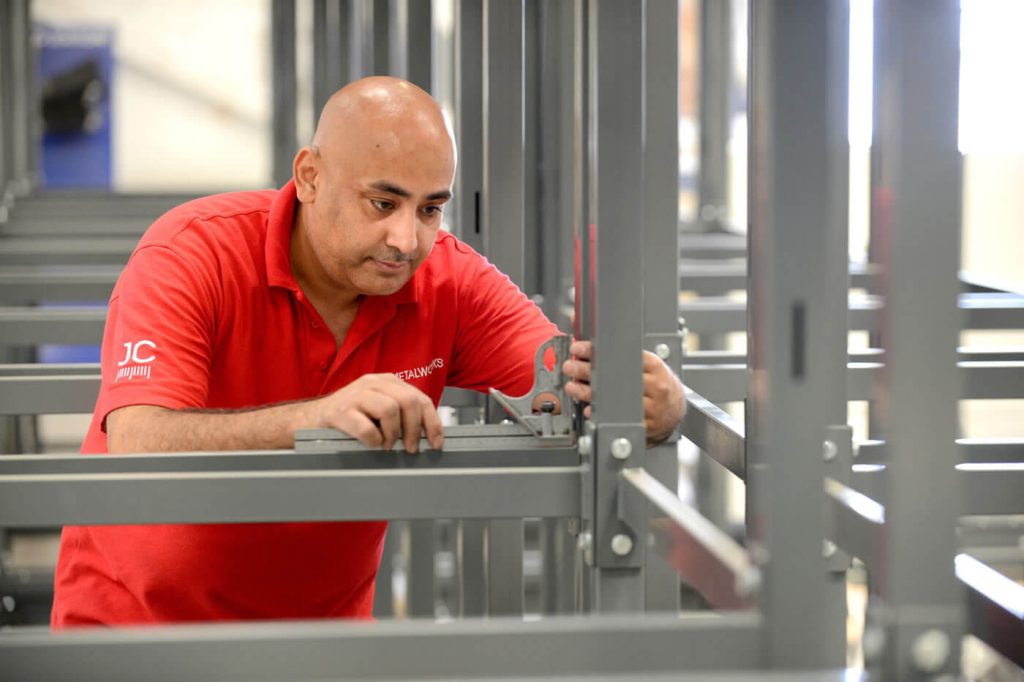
[918, 206]
[330, 50]
[616, 175]
[661, 246]
[797, 296]
[411, 41]
[503, 206]
[285, 89]
[554, 183]
[361, 39]
[715, 79]
[421, 568]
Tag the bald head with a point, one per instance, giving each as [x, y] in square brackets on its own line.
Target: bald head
[378, 113]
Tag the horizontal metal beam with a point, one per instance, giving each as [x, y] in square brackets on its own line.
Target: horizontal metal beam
[67, 251]
[84, 226]
[20, 285]
[984, 488]
[995, 607]
[616, 646]
[717, 278]
[75, 204]
[981, 381]
[271, 496]
[722, 315]
[60, 394]
[975, 450]
[715, 432]
[33, 326]
[964, 354]
[708, 559]
[452, 457]
[712, 245]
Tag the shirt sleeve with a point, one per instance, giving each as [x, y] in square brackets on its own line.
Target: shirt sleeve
[159, 335]
[499, 332]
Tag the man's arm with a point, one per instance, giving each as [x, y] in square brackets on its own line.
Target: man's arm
[376, 409]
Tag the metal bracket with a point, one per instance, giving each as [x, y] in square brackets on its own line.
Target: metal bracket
[837, 453]
[547, 424]
[617, 447]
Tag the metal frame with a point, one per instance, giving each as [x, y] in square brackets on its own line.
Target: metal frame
[798, 347]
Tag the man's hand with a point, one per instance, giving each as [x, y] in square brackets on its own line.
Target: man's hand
[378, 409]
[664, 403]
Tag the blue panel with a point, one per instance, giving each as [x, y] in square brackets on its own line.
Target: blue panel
[74, 71]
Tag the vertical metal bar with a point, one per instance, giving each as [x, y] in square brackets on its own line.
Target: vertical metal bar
[503, 206]
[381, 64]
[918, 206]
[330, 50]
[361, 39]
[536, 241]
[284, 135]
[617, 172]
[796, 330]
[419, 42]
[715, 79]
[469, 228]
[469, 120]
[421, 568]
[384, 594]
[6, 127]
[661, 248]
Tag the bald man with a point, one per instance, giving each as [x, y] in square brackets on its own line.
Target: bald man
[335, 302]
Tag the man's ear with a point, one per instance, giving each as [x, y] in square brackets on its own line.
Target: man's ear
[304, 171]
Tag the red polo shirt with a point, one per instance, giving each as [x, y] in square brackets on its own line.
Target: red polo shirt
[207, 314]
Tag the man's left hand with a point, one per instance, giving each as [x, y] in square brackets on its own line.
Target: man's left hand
[664, 403]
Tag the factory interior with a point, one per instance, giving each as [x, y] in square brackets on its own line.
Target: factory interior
[812, 211]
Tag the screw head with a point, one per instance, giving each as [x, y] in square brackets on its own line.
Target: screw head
[622, 544]
[621, 448]
[748, 582]
[930, 650]
[829, 451]
[584, 445]
[828, 549]
[663, 351]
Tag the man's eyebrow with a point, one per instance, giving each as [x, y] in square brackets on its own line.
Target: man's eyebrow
[391, 188]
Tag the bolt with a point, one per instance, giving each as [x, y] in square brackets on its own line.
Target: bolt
[663, 351]
[930, 650]
[585, 541]
[873, 643]
[547, 407]
[621, 448]
[584, 445]
[8, 603]
[829, 451]
[748, 582]
[828, 549]
[622, 544]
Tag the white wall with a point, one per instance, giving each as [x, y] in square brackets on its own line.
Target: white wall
[191, 90]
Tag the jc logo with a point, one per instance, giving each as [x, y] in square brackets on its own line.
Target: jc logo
[133, 352]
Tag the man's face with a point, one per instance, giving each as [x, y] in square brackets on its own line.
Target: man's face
[378, 210]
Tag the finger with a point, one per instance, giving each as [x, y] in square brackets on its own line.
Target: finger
[432, 425]
[386, 410]
[588, 411]
[579, 391]
[577, 369]
[360, 427]
[652, 363]
[412, 423]
[581, 349]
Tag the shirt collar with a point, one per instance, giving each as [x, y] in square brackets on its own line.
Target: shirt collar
[280, 223]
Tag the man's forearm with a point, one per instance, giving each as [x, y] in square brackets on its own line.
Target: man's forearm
[145, 428]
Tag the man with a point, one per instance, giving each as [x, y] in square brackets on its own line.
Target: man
[243, 317]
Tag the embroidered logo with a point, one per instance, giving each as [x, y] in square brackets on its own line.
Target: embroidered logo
[420, 372]
[137, 356]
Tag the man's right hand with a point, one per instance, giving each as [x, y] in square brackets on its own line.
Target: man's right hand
[377, 410]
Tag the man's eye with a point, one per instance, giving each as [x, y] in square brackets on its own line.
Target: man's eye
[433, 210]
[381, 204]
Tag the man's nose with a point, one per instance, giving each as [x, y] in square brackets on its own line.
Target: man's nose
[402, 232]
